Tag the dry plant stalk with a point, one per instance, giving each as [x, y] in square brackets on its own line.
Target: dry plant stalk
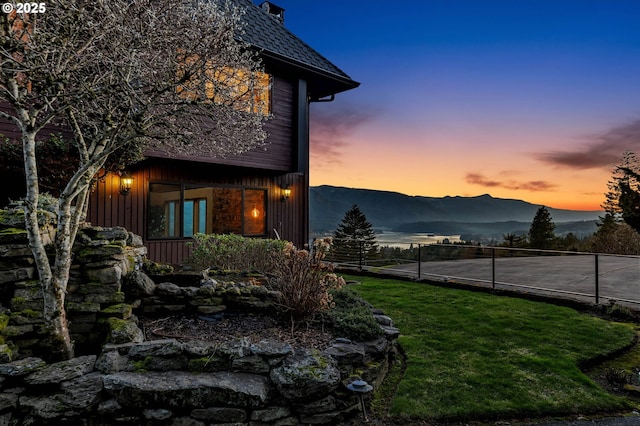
[304, 280]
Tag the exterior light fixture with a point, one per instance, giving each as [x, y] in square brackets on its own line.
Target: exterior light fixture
[360, 387]
[126, 182]
[286, 192]
[255, 213]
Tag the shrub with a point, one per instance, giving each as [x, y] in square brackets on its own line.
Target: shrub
[234, 252]
[303, 282]
[351, 317]
[616, 238]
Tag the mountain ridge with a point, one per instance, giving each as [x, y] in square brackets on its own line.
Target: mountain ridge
[389, 210]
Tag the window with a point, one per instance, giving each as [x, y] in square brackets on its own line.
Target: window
[195, 217]
[241, 89]
[179, 211]
[254, 208]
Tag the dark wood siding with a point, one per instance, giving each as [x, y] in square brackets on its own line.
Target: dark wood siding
[108, 207]
[14, 173]
[269, 168]
[278, 154]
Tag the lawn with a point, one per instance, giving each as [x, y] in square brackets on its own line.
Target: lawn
[475, 356]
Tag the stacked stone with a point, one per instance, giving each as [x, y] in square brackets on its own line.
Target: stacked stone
[95, 302]
[20, 296]
[166, 382]
[195, 294]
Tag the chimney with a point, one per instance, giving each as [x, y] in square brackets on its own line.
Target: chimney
[274, 11]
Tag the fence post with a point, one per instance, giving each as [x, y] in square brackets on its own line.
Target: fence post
[493, 268]
[419, 263]
[597, 282]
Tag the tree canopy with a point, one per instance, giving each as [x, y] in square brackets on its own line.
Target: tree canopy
[120, 77]
[622, 200]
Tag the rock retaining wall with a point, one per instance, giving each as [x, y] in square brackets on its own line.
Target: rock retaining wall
[102, 257]
[119, 378]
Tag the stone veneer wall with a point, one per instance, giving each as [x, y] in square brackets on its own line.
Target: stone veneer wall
[118, 378]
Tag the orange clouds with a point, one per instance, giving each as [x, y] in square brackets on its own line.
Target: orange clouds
[511, 184]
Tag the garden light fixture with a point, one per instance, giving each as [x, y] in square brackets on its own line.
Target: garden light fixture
[360, 387]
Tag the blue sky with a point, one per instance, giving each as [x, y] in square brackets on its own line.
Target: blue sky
[520, 99]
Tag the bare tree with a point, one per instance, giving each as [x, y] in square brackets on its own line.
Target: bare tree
[123, 76]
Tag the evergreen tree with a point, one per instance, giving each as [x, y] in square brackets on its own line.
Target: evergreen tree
[354, 239]
[541, 235]
[623, 198]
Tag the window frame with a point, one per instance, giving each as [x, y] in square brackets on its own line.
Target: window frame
[179, 221]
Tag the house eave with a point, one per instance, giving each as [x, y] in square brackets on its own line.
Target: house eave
[230, 161]
[321, 83]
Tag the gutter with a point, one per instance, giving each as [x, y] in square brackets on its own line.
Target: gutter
[347, 81]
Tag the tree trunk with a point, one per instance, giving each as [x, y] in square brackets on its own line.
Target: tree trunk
[53, 283]
[56, 318]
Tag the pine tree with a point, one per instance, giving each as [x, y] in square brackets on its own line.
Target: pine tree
[623, 198]
[354, 239]
[541, 235]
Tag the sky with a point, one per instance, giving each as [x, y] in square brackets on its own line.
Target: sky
[525, 99]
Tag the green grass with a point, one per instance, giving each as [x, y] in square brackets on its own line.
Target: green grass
[474, 356]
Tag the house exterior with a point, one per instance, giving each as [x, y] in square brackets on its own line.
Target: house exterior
[261, 193]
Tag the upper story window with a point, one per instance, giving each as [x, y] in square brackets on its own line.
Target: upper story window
[179, 211]
[251, 90]
[248, 91]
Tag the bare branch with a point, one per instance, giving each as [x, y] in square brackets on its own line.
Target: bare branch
[124, 76]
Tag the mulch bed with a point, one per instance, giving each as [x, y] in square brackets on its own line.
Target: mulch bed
[224, 328]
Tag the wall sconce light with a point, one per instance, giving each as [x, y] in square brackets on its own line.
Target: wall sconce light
[126, 182]
[286, 192]
[255, 213]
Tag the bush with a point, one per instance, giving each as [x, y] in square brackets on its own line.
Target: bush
[616, 238]
[234, 252]
[304, 281]
[351, 317]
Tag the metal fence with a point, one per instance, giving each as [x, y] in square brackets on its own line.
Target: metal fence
[583, 276]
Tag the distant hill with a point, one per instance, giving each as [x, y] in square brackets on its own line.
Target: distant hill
[453, 215]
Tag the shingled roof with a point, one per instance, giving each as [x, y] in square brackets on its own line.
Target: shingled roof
[276, 43]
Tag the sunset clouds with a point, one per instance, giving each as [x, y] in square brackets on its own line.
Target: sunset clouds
[512, 184]
[330, 129]
[603, 151]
